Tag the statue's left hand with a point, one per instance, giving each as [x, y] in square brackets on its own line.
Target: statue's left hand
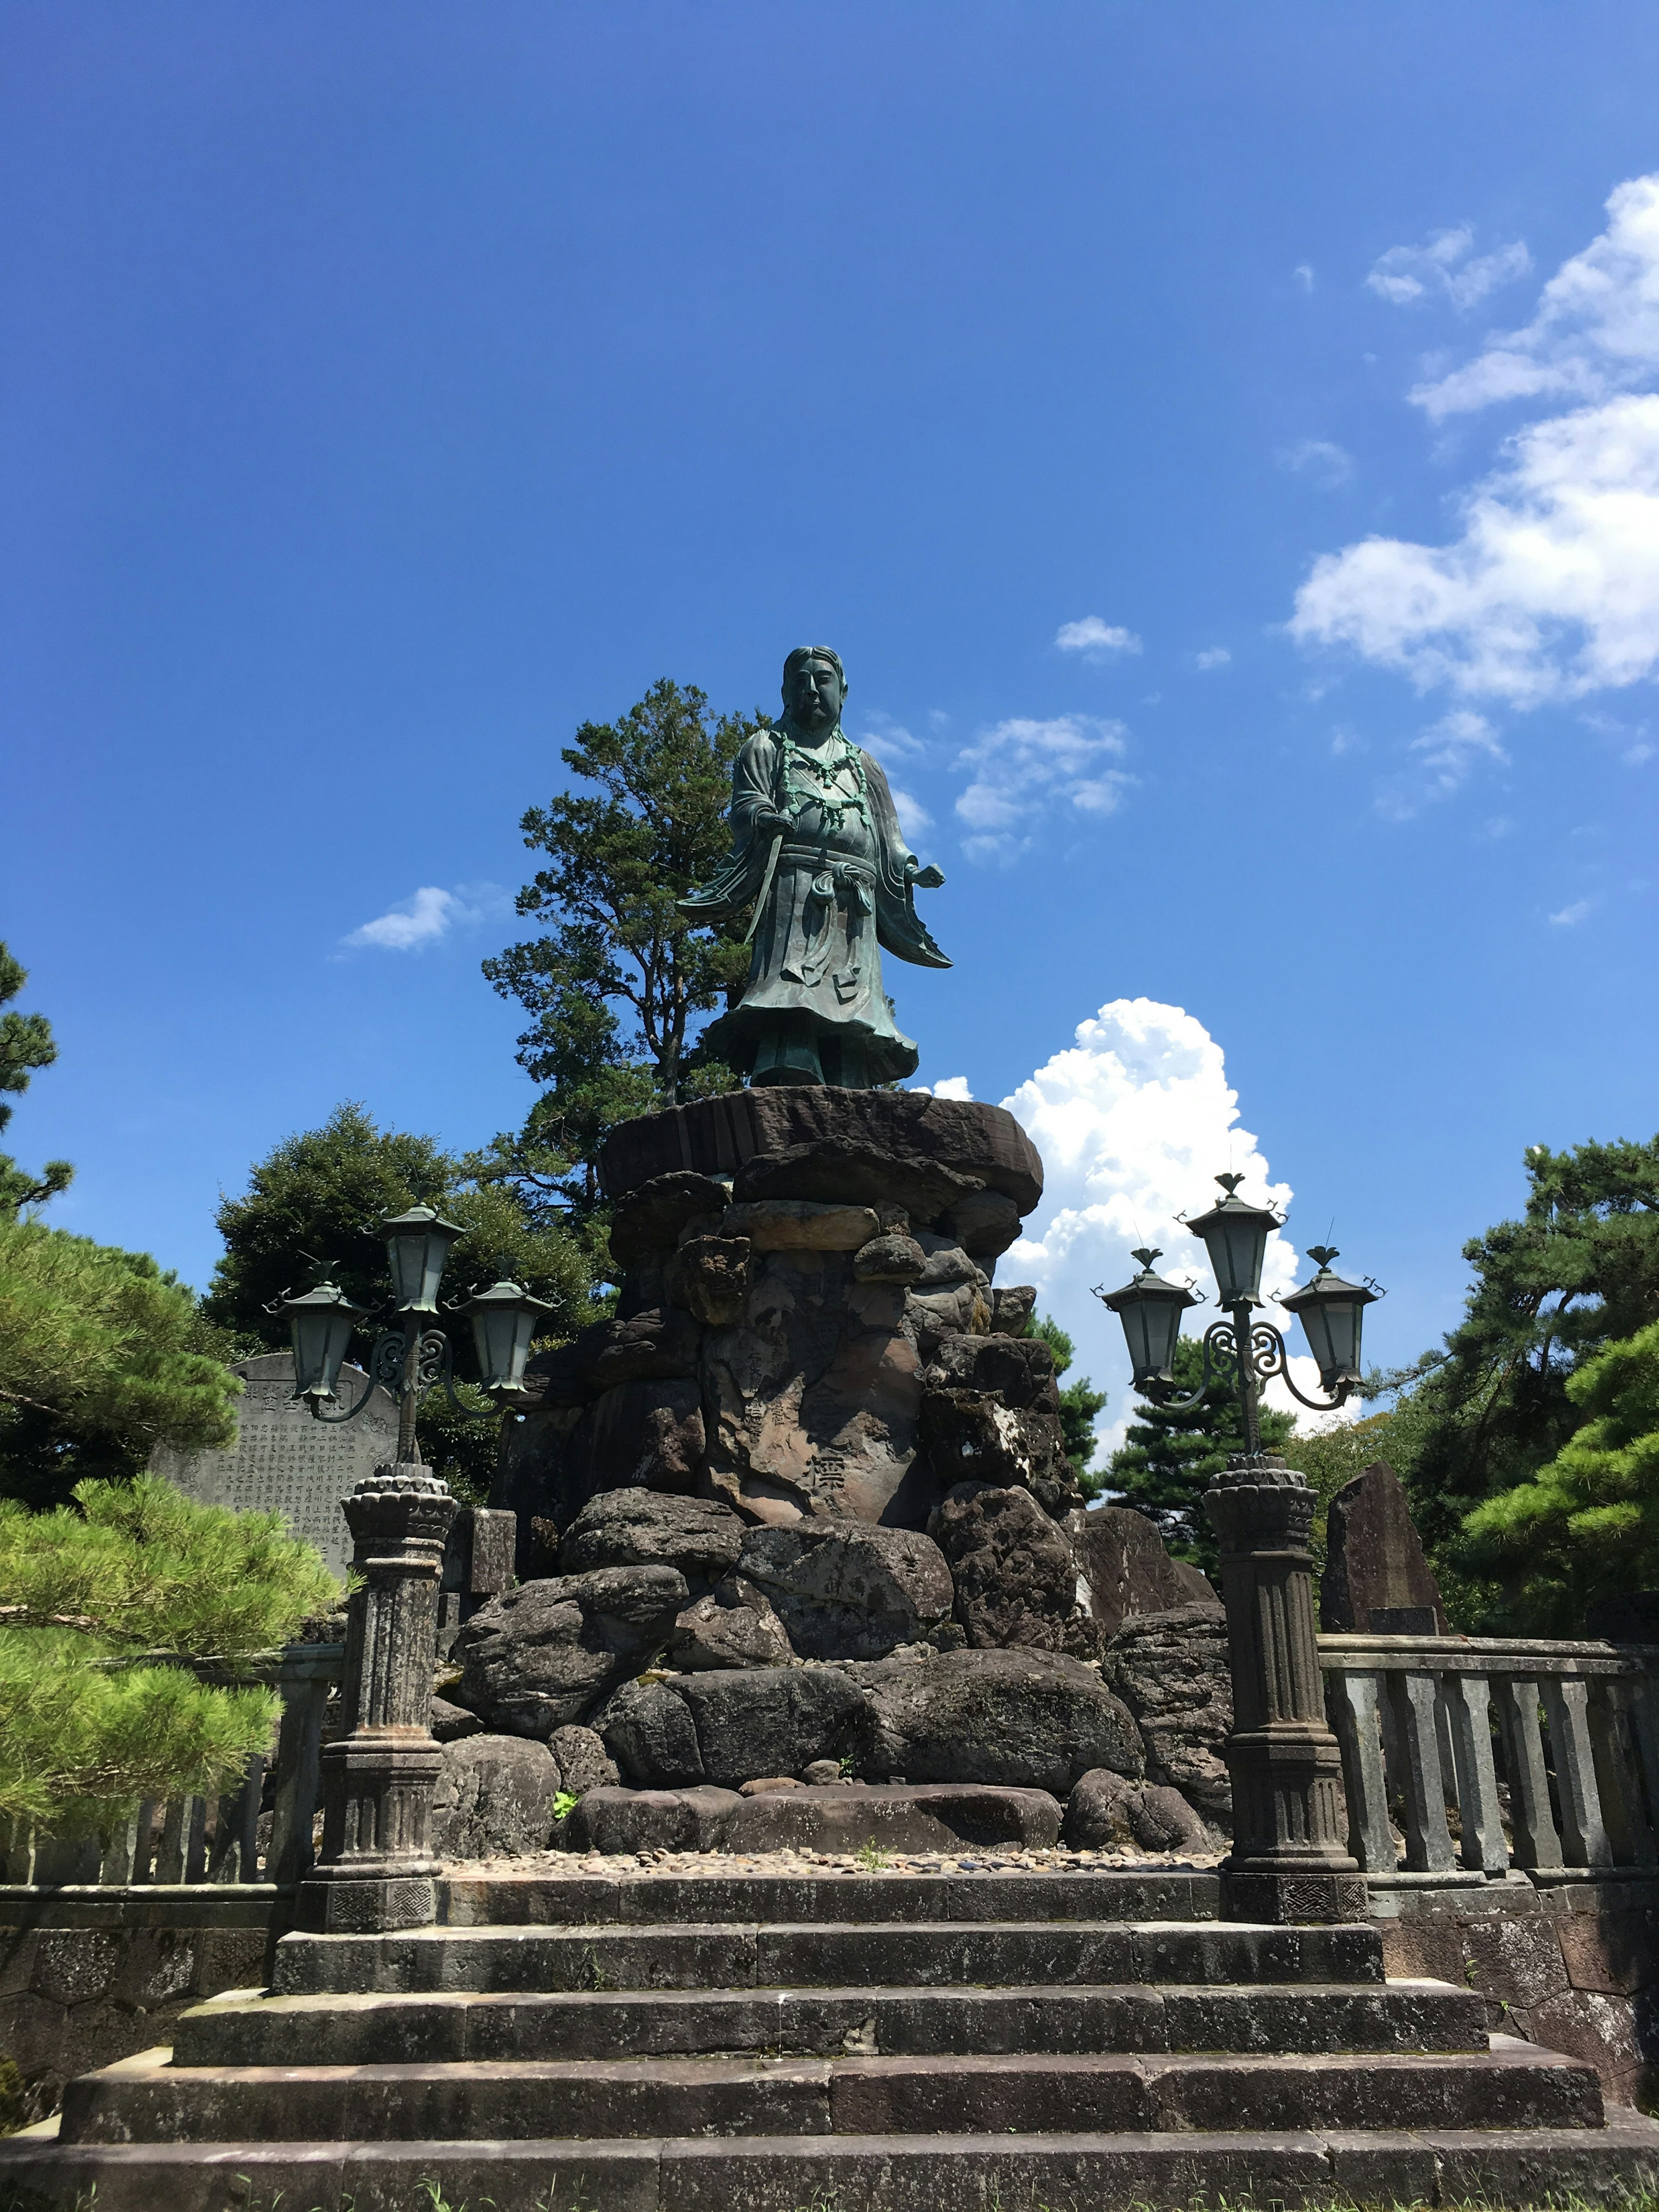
[929, 878]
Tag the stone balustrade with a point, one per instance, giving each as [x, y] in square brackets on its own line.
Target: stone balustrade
[1569, 1730]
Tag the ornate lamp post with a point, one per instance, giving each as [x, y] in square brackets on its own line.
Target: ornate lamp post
[1288, 1862]
[376, 1870]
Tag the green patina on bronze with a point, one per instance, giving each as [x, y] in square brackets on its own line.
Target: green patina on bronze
[818, 851]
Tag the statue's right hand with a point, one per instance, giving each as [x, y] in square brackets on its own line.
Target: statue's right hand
[769, 823]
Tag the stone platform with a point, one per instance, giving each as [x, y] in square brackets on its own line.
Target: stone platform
[639, 2044]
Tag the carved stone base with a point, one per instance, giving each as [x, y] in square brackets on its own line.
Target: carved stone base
[1299, 1899]
[358, 1905]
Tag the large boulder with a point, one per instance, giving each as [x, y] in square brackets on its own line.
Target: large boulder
[584, 1762]
[926, 1817]
[1171, 1669]
[635, 1527]
[647, 1434]
[1019, 1370]
[717, 1136]
[1126, 1570]
[658, 1346]
[710, 1276]
[1107, 1812]
[1033, 1720]
[971, 1436]
[721, 1630]
[730, 1728]
[614, 1820]
[537, 1657]
[843, 1591]
[651, 1219]
[985, 1223]
[865, 1169]
[494, 1798]
[1015, 1578]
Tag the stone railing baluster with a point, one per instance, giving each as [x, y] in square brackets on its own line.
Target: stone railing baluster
[1532, 1818]
[1355, 1701]
[1583, 1833]
[1618, 1775]
[1468, 1710]
[1428, 1839]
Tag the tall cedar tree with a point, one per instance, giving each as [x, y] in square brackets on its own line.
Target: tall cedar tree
[1079, 1402]
[323, 1192]
[26, 1044]
[618, 977]
[1577, 1273]
[102, 1357]
[1166, 1462]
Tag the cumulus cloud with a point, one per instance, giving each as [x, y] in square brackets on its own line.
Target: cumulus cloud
[1443, 758]
[914, 817]
[880, 734]
[1023, 770]
[1597, 328]
[1095, 640]
[426, 917]
[1446, 267]
[1214, 656]
[1322, 463]
[1551, 590]
[1304, 274]
[1132, 1120]
[1571, 915]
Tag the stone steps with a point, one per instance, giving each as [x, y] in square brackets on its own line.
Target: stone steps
[1511, 2085]
[1107, 2173]
[730, 1954]
[393, 2028]
[1182, 1893]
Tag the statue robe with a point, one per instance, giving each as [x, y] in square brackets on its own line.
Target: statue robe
[832, 890]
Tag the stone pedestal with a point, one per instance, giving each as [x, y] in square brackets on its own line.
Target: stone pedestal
[1287, 1862]
[376, 1870]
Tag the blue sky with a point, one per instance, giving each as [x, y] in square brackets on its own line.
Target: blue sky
[384, 391]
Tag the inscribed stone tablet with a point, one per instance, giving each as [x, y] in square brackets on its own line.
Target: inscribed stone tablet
[284, 1461]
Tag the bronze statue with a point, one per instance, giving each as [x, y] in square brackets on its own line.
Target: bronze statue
[817, 847]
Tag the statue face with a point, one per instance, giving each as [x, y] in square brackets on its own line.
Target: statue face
[812, 696]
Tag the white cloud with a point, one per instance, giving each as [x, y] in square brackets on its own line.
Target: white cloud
[1023, 769]
[953, 1086]
[1597, 328]
[428, 916]
[1214, 656]
[1637, 756]
[1304, 274]
[1132, 1122]
[1322, 463]
[1570, 915]
[1446, 754]
[914, 817]
[880, 734]
[1550, 592]
[1446, 267]
[1095, 639]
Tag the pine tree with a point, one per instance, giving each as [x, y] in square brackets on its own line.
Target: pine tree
[100, 1360]
[1168, 1459]
[128, 1570]
[26, 1044]
[646, 822]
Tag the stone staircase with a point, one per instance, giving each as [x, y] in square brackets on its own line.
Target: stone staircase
[834, 2043]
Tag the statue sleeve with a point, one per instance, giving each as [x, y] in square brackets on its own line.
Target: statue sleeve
[738, 881]
[899, 928]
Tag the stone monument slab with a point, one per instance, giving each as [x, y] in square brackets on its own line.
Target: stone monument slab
[1377, 1580]
[284, 1461]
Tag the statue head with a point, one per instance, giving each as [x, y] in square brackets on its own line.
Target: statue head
[814, 687]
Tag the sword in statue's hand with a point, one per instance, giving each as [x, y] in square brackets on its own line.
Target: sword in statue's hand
[762, 896]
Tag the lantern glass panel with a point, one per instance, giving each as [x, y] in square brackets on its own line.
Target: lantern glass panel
[1237, 1244]
[417, 1245]
[1151, 1325]
[321, 1335]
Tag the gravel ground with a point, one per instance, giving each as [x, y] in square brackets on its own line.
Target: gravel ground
[554, 1865]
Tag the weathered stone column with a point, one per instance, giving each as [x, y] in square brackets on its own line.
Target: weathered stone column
[376, 1870]
[1288, 1862]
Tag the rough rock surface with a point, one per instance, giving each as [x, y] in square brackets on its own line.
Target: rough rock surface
[635, 1527]
[537, 1657]
[730, 1728]
[584, 1762]
[890, 1259]
[940, 1816]
[718, 1135]
[811, 1398]
[450, 1722]
[1375, 1562]
[617, 1820]
[494, 1798]
[985, 1224]
[798, 1224]
[1030, 1720]
[1125, 1569]
[656, 1347]
[1170, 1670]
[720, 1631]
[969, 1436]
[1107, 1812]
[1011, 1308]
[844, 1591]
[861, 1168]
[1019, 1370]
[1014, 1575]
[652, 1219]
[644, 1435]
[710, 1276]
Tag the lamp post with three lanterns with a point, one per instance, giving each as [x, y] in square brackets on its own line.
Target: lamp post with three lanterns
[1288, 1862]
[376, 1870]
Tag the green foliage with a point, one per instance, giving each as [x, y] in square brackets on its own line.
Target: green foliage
[618, 976]
[565, 1802]
[1079, 1403]
[1333, 1456]
[1168, 1459]
[1587, 1524]
[324, 1192]
[26, 1044]
[137, 1568]
[100, 1361]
